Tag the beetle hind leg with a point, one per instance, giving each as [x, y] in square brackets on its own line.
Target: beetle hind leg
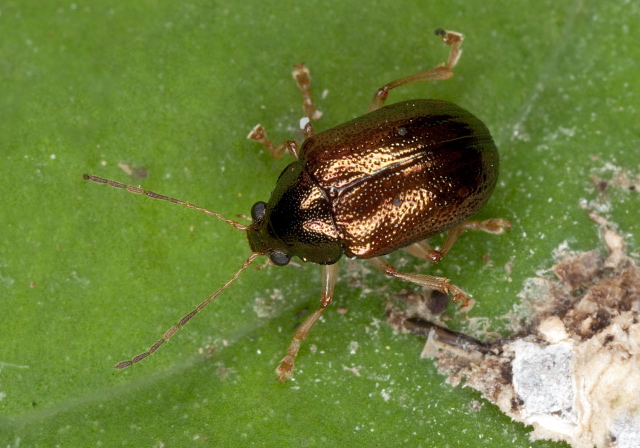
[329, 276]
[277, 151]
[439, 283]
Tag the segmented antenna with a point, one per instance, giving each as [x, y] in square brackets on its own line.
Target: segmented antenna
[187, 318]
[151, 194]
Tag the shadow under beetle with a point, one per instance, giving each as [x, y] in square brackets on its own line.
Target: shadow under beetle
[387, 180]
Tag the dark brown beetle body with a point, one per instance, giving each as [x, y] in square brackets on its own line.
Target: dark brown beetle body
[379, 183]
[387, 180]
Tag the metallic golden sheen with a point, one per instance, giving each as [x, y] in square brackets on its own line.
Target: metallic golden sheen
[402, 173]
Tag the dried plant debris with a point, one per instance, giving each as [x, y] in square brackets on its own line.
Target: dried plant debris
[573, 370]
[611, 176]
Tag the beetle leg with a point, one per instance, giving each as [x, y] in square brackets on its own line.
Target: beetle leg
[429, 281]
[303, 80]
[260, 135]
[423, 250]
[329, 276]
[497, 225]
[442, 71]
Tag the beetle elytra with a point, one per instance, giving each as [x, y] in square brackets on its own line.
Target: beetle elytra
[387, 180]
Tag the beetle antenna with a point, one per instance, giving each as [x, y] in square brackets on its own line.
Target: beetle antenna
[151, 194]
[187, 318]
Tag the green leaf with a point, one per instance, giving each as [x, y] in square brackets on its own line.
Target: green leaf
[91, 275]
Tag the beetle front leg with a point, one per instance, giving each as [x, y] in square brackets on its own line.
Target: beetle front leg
[303, 80]
[438, 283]
[260, 135]
[442, 71]
[329, 276]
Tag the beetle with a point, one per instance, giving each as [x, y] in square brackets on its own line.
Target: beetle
[384, 181]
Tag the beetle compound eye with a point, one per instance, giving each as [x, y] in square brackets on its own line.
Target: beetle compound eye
[258, 210]
[279, 258]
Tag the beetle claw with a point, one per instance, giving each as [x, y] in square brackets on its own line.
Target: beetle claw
[285, 369]
[459, 296]
[434, 255]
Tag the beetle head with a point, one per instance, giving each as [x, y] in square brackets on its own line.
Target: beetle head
[297, 220]
[261, 238]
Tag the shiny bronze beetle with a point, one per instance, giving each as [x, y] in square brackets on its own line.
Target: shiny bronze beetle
[387, 180]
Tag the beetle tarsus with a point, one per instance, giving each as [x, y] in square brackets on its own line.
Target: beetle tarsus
[259, 134]
[435, 255]
[329, 276]
[285, 369]
[460, 296]
[303, 80]
[495, 226]
[439, 72]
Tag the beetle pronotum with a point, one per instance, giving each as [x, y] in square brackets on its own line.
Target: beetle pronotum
[381, 182]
